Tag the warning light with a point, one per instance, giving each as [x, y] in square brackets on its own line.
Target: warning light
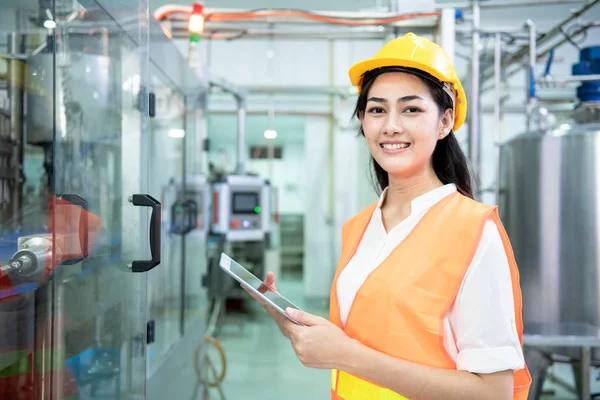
[257, 209]
[196, 23]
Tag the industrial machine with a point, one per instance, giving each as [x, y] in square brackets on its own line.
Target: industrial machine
[241, 208]
[549, 202]
[240, 226]
[80, 233]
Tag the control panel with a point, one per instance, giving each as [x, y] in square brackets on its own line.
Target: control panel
[241, 207]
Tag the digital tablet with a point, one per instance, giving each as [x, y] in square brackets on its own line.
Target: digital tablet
[256, 286]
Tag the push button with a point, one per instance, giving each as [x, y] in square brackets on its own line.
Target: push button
[235, 224]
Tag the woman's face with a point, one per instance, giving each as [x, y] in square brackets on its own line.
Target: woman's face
[402, 124]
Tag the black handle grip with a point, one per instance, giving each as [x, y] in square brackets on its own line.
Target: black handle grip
[145, 200]
[152, 105]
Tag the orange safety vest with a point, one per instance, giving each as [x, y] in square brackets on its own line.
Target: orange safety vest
[400, 308]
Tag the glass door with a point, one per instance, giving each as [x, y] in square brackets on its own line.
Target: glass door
[165, 284]
[78, 230]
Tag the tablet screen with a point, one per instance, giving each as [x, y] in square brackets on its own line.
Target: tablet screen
[257, 284]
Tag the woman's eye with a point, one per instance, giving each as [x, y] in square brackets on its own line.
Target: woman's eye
[412, 110]
[376, 110]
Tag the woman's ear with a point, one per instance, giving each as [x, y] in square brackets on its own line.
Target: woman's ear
[446, 123]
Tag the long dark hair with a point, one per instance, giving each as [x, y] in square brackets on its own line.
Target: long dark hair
[449, 162]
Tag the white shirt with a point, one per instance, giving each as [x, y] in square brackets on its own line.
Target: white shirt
[479, 330]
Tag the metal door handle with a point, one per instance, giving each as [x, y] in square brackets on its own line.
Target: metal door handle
[145, 200]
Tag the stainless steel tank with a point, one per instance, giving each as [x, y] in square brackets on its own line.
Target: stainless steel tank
[550, 205]
[549, 202]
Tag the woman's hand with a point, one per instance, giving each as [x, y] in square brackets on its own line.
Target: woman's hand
[320, 343]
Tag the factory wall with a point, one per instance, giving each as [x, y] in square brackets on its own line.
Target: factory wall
[287, 175]
[288, 64]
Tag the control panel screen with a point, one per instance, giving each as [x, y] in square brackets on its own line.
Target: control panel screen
[245, 203]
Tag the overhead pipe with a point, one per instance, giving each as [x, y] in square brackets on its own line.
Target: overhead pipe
[516, 57]
[226, 31]
[241, 150]
[332, 17]
[178, 8]
[242, 108]
[532, 73]
[474, 123]
[509, 4]
[545, 52]
[497, 110]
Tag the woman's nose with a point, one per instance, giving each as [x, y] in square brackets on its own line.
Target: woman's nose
[392, 125]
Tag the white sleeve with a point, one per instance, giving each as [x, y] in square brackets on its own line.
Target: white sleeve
[483, 316]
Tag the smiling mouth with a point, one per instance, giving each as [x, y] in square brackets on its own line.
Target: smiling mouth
[394, 146]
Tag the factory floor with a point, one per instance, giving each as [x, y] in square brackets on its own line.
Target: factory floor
[262, 365]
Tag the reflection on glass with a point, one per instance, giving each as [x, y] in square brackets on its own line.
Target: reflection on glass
[164, 282]
[71, 317]
[197, 190]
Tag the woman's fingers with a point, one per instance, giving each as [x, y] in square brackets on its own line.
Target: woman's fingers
[268, 284]
[279, 319]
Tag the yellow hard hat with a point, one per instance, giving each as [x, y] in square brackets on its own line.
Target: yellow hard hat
[412, 51]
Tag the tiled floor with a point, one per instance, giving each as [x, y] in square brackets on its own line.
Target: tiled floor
[261, 362]
[262, 365]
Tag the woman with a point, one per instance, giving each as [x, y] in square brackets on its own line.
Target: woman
[425, 303]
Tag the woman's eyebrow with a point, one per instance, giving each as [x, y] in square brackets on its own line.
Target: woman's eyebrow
[403, 99]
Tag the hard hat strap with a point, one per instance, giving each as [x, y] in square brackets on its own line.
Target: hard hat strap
[447, 87]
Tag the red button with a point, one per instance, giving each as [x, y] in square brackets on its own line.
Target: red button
[235, 223]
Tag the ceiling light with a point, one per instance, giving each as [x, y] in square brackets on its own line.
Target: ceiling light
[49, 24]
[270, 134]
[176, 133]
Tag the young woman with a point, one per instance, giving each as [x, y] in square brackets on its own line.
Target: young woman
[426, 302]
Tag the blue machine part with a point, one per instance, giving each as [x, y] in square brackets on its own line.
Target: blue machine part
[589, 64]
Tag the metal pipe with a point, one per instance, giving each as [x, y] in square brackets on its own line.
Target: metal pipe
[519, 54]
[497, 100]
[358, 15]
[16, 82]
[531, 76]
[447, 31]
[181, 32]
[241, 150]
[510, 4]
[331, 136]
[240, 97]
[474, 139]
[572, 78]
[585, 371]
[163, 11]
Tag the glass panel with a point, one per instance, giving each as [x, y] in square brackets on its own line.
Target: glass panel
[166, 169]
[197, 189]
[72, 313]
